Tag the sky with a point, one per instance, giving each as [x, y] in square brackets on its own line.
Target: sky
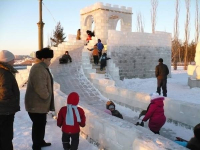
[18, 19]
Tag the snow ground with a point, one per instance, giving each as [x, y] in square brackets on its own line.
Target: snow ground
[178, 83]
[177, 86]
[22, 131]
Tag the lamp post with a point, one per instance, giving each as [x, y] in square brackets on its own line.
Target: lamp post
[40, 27]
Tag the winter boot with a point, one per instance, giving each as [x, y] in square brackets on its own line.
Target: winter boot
[44, 144]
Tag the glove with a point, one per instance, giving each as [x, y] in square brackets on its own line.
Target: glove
[140, 124]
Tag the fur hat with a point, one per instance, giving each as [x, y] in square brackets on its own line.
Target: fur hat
[44, 53]
[6, 56]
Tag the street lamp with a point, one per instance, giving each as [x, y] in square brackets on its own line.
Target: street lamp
[40, 27]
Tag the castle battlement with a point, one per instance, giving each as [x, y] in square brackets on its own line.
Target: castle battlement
[100, 5]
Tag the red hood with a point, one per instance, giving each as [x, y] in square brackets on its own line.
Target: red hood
[158, 101]
[73, 98]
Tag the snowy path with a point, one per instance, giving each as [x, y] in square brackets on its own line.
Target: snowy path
[177, 87]
[22, 132]
[71, 78]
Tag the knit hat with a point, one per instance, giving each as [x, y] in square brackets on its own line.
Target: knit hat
[6, 56]
[154, 96]
[44, 53]
[160, 60]
[109, 103]
[72, 102]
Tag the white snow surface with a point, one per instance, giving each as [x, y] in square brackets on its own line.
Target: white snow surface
[23, 126]
[177, 87]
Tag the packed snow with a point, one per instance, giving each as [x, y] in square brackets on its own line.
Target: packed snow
[177, 87]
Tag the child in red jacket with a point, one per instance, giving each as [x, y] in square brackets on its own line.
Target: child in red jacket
[70, 118]
[155, 113]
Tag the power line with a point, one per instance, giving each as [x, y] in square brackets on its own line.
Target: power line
[49, 12]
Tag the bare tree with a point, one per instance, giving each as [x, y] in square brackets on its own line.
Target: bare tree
[197, 23]
[154, 4]
[176, 47]
[140, 23]
[187, 32]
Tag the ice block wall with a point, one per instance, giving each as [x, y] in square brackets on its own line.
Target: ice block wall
[176, 111]
[136, 54]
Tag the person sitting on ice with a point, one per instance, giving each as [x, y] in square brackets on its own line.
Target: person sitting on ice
[103, 60]
[194, 143]
[70, 118]
[155, 113]
[111, 107]
[65, 58]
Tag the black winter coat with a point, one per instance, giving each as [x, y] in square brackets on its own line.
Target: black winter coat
[9, 90]
[161, 71]
[193, 144]
[103, 60]
[67, 57]
[116, 113]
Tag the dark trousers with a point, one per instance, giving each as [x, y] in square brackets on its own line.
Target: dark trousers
[38, 129]
[74, 141]
[103, 65]
[96, 59]
[100, 53]
[6, 132]
[156, 132]
[162, 83]
[63, 60]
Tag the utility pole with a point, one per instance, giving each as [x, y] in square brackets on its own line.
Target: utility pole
[40, 27]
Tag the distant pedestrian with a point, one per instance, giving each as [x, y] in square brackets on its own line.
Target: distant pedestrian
[78, 36]
[161, 73]
[70, 118]
[65, 58]
[100, 47]
[103, 61]
[155, 113]
[9, 99]
[39, 97]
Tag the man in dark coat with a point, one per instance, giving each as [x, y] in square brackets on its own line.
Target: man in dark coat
[161, 73]
[9, 99]
[65, 58]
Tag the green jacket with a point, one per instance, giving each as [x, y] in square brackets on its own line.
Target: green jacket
[9, 90]
[39, 93]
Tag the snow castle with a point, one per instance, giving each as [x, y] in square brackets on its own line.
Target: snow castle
[133, 54]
